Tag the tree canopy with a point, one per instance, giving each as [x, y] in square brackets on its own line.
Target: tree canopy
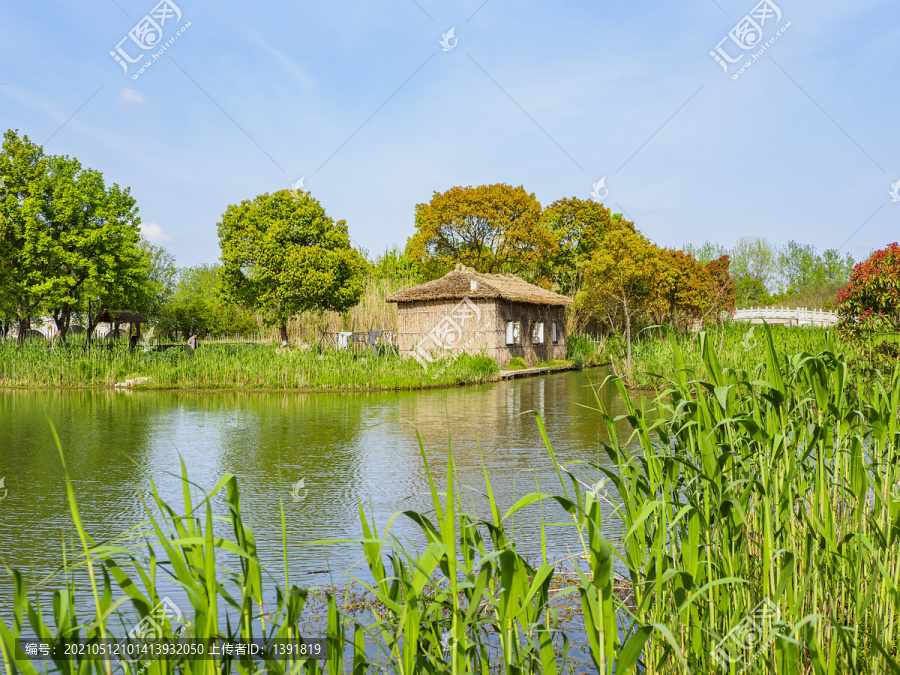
[869, 306]
[620, 281]
[282, 254]
[197, 306]
[64, 234]
[493, 228]
[578, 227]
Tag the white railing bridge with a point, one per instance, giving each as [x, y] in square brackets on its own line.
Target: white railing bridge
[791, 316]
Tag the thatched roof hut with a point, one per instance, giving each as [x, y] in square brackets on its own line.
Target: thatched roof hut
[465, 282]
[498, 314]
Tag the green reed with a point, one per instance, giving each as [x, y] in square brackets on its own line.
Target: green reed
[774, 482]
[760, 507]
[221, 366]
[655, 360]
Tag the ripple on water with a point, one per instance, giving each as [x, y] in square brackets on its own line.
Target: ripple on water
[349, 448]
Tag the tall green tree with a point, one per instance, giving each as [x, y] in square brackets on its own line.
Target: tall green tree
[97, 240]
[28, 261]
[282, 254]
[63, 233]
[804, 271]
[755, 258]
[577, 226]
[493, 228]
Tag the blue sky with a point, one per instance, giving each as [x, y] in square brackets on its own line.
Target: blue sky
[363, 100]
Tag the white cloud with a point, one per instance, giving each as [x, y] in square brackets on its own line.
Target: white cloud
[130, 97]
[154, 233]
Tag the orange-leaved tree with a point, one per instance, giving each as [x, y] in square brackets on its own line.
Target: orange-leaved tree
[685, 287]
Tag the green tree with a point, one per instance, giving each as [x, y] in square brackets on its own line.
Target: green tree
[97, 239]
[706, 252]
[869, 307]
[811, 278]
[755, 258]
[28, 267]
[62, 232]
[620, 281]
[800, 267]
[837, 270]
[493, 228]
[578, 226]
[751, 292]
[282, 254]
[149, 291]
[159, 280]
[197, 306]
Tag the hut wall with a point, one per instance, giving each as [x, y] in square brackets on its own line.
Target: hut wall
[430, 326]
[446, 325]
[527, 315]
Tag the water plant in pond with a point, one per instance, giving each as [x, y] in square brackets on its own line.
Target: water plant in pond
[761, 534]
[214, 366]
[654, 359]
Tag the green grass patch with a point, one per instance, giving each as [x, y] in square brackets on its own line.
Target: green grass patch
[552, 363]
[516, 363]
[264, 367]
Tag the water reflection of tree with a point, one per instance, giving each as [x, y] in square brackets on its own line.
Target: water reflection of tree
[96, 429]
[270, 441]
[348, 447]
[498, 416]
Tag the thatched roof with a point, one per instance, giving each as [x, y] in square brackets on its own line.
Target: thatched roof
[459, 284]
[120, 315]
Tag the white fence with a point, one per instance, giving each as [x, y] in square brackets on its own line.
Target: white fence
[797, 316]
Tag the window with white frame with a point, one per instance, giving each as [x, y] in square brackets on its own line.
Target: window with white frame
[555, 334]
[537, 333]
[513, 332]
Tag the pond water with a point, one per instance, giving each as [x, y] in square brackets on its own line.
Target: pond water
[349, 448]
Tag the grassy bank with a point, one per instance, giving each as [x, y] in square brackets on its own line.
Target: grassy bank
[737, 345]
[246, 366]
[228, 367]
[761, 513]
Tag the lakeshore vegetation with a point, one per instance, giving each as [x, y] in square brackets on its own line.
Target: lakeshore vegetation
[760, 534]
[758, 497]
[70, 245]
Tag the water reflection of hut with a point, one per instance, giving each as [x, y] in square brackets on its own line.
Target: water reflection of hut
[116, 317]
[465, 310]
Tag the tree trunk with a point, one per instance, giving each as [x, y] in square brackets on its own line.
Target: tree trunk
[62, 318]
[628, 343]
[284, 334]
[91, 324]
[24, 325]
